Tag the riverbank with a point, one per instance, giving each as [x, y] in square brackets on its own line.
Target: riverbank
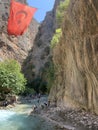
[67, 119]
[17, 118]
[62, 119]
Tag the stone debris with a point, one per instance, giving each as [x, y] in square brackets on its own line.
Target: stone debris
[80, 118]
[71, 119]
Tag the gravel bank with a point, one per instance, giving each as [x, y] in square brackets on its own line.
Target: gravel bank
[70, 119]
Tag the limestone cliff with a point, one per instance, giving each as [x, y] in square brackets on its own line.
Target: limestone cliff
[76, 58]
[40, 55]
[12, 47]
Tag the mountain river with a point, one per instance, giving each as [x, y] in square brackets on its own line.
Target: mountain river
[18, 118]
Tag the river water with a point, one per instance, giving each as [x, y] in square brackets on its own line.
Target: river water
[18, 119]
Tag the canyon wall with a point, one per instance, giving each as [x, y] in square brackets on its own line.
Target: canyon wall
[12, 47]
[40, 54]
[76, 58]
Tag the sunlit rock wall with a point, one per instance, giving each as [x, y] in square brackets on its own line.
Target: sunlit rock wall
[76, 57]
[12, 47]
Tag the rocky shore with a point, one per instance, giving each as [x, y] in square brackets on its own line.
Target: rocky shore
[67, 119]
[62, 119]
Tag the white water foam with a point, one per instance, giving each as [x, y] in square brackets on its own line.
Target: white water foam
[5, 114]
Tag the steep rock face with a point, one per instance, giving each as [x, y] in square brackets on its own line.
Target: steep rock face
[40, 55]
[12, 47]
[76, 57]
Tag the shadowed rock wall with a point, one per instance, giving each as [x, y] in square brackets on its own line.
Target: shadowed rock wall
[40, 55]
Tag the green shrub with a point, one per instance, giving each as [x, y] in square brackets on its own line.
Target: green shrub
[36, 84]
[29, 91]
[39, 85]
[61, 10]
[50, 74]
[56, 37]
[11, 77]
[43, 87]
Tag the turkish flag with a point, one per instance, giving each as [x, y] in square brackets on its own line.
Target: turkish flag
[19, 18]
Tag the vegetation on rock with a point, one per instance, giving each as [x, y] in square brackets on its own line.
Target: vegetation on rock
[60, 11]
[56, 37]
[38, 85]
[76, 83]
[50, 75]
[51, 71]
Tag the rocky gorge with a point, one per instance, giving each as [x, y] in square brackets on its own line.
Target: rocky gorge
[40, 55]
[75, 57]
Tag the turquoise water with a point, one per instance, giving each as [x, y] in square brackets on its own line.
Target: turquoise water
[19, 119]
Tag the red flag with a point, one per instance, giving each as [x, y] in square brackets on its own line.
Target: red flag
[20, 18]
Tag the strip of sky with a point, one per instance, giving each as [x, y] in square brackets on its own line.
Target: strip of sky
[43, 7]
